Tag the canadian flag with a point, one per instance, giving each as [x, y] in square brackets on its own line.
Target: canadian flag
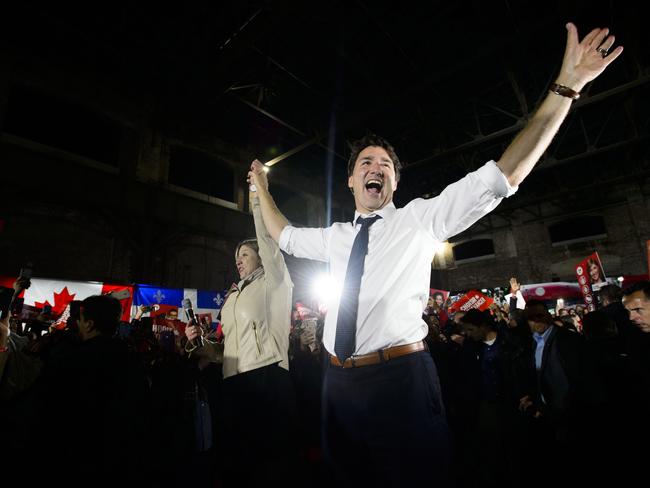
[58, 294]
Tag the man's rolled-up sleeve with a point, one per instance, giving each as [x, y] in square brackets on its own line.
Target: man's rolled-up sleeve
[464, 202]
[495, 180]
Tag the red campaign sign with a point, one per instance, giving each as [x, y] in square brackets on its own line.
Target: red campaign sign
[472, 299]
[591, 277]
[205, 318]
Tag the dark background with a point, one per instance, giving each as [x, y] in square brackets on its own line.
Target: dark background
[185, 95]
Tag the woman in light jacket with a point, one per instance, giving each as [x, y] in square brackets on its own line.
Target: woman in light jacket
[258, 400]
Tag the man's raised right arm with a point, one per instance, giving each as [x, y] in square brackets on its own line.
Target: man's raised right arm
[274, 221]
[310, 243]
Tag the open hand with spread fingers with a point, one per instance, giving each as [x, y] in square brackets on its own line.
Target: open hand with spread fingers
[585, 60]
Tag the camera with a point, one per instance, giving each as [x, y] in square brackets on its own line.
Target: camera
[151, 308]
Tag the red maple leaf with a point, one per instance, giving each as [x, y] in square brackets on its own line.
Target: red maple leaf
[61, 301]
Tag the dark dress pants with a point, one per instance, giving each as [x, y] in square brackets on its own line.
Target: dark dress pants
[259, 415]
[384, 424]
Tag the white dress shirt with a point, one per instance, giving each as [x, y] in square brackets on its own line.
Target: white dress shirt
[521, 303]
[395, 282]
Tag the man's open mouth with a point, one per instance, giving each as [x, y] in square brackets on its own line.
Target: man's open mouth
[374, 186]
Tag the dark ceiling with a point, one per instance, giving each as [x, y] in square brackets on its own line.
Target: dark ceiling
[449, 83]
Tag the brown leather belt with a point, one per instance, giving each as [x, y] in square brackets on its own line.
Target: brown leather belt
[380, 356]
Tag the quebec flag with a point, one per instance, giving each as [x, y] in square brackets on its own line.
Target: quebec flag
[170, 301]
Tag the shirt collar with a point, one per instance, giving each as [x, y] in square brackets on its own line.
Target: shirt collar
[544, 335]
[385, 213]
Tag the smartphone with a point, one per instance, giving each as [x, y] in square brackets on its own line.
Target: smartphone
[151, 308]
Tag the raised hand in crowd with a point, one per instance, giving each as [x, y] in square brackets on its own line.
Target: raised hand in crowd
[140, 312]
[514, 285]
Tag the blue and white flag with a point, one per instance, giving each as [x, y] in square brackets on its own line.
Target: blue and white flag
[170, 300]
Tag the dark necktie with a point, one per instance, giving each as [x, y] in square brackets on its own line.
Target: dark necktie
[346, 322]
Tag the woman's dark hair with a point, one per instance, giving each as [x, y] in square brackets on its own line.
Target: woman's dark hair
[643, 286]
[373, 140]
[252, 243]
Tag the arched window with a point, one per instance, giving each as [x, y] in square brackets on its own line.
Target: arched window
[577, 229]
[473, 250]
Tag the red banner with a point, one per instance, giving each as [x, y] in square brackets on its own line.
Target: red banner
[591, 277]
[472, 299]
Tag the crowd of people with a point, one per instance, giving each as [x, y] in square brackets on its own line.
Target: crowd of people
[562, 387]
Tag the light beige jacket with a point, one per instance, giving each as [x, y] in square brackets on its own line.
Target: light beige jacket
[256, 317]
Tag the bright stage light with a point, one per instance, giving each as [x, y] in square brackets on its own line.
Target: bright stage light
[439, 247]
[325, 289]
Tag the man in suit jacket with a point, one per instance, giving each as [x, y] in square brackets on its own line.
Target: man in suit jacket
[567, 398]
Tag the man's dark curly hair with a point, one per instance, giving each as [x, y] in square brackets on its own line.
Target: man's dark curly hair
[643, 286]
[373, 140]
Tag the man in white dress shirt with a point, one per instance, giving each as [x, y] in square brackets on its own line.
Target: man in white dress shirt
[515, 299]
[383, 420]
